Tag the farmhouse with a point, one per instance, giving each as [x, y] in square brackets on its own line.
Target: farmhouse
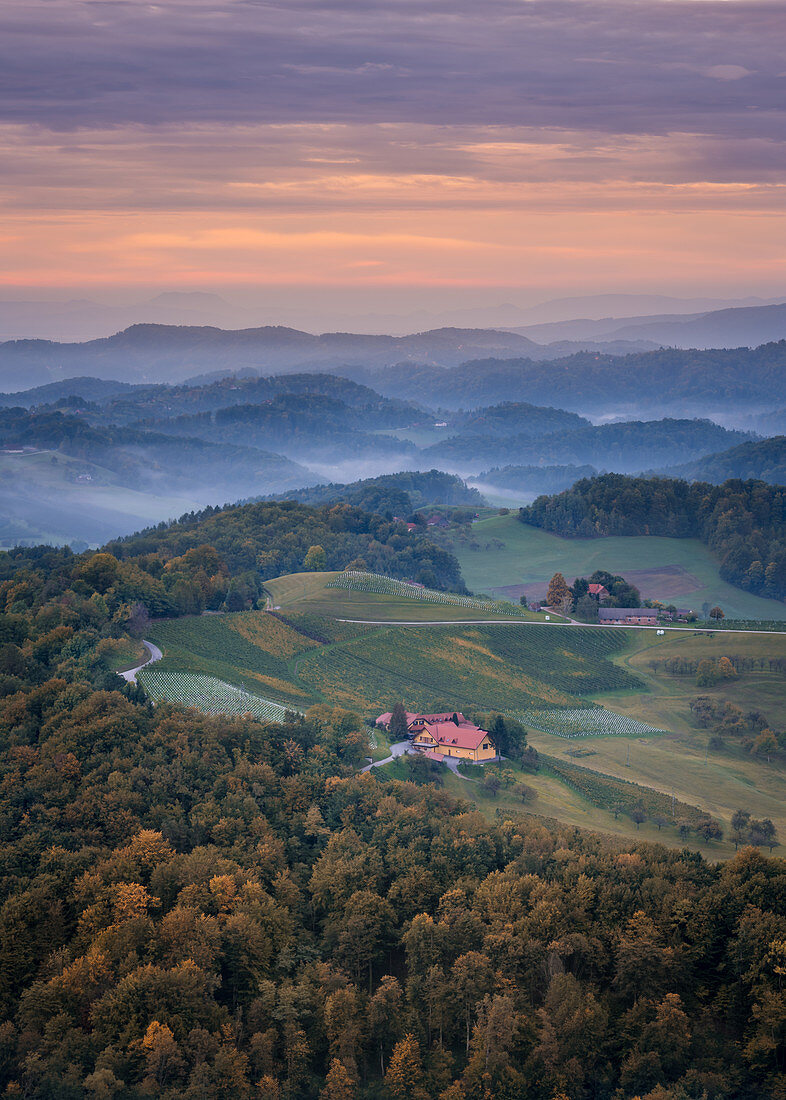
[628, 616]
[465, 741]
[447, 733]
[599, 591]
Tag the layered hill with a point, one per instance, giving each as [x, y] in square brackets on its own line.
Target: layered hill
[763, 459]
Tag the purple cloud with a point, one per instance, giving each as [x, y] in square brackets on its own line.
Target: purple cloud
[614, 66]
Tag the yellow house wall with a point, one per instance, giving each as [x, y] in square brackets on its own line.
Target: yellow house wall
[467, 754]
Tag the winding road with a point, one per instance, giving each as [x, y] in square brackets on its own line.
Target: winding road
[155, 655]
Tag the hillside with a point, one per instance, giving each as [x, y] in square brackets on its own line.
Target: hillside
[392, 494]
[743, 522]
[625, 447]
[185, 899]
[148, 460]
[666, 382]
[152, 353]
[762, 460]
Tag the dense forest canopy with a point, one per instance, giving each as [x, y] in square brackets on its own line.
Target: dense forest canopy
[744, 522]
[393, 494]
[627, 446]
[670, 381]
[764, 459]
[536, 479]
[265, 540]
[299, 425]
[199, 908]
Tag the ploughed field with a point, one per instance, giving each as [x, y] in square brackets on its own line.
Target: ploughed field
[601, 701]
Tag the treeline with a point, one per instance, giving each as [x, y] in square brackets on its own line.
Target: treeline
[268, 539]
[196, 907]
[629, 446]
[764, 460]
[663, 381]
[743, 522]
[391, 495]
[300, 423]
[750, 728]
[219, 559]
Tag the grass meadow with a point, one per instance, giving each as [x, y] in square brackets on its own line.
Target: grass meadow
[501, 553]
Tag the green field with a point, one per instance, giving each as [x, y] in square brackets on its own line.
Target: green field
[501, 553]
[309, 591]
[311, 657]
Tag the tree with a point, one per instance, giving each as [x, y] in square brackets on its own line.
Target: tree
[404, 1077]
[763, 834]
[384, 1013]
[739, 823]
[726, 669]
[338, 1083]
[710, 829]
[472, 980]
[491, 784]
[765, 744]
[398, 721]
[707, 674]
[587, 609]
[523, 601]
[366, 932]
[717, 613]
[559, 596]
[315, 560]
[638, 815]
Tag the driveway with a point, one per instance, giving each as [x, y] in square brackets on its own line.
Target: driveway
[399, 749]
[155, 655]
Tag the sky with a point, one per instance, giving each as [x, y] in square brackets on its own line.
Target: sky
[404, 147]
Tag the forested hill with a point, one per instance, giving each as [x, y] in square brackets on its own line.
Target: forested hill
[151, 460]
[197, 908]
[744, 522]
[664, 381]
[764, 459]
[392, 494]
[255, 542]
[628, 446]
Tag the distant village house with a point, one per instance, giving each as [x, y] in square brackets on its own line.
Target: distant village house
[628, 616]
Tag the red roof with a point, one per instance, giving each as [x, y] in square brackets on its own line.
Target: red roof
[598, 590]
[384, 719]
[443, 716]
[463, 737]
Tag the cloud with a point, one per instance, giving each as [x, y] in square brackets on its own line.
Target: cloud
[294, 117]
[615, 65]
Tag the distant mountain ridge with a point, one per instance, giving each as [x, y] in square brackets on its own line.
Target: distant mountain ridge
[739, 326]
[157, 353]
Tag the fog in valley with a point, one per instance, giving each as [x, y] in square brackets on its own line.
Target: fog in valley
[114, 434]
